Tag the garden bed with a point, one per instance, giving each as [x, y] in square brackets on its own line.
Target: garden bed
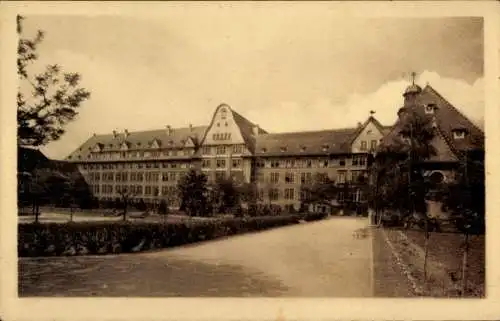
[98, 238]
[444, 261]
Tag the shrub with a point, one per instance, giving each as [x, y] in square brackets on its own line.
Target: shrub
[117, 237]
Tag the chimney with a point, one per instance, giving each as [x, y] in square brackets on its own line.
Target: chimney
[126, 133]
[359, 124]
[256, 130]
[115, 134]
[190, 127]
[169, 130]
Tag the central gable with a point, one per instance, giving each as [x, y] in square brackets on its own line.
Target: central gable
[368, 136]
[223, 129]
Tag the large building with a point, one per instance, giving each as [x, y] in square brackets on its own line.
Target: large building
[150, 163]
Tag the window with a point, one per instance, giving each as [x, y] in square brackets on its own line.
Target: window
[164, 177]
[138, 189]
[341, 177]
[289, 178]
[305, 178]
[148, 190]
[206, 163]
[173, 152]
[221, 150]
[206, 150]
[373, 144]
[289, 193]
[237, 149]
[275, 177]
[357, 176]
[140, 177]
[323, 163]
[459, 134]
[223, 114]
[273, 194]
[429, 109]
[308, 163]
[171, 176]
[275, 164]
[221, 163]
[236, 163]
[342, 162]
[220, 175]
[358, 160]
[363, 145]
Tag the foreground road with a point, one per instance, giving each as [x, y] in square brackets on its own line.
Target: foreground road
[314, 259]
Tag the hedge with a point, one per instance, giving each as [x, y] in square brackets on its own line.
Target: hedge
[97, 238]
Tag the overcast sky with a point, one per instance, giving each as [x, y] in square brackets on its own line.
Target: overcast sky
[282, 68]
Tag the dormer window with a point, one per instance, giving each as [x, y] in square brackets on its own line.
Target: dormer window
[302, 148]
[459, 133]
[325, 148]
[430, 108]
[283, 148]
[264, 150]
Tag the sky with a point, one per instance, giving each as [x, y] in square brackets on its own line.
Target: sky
[282, 68]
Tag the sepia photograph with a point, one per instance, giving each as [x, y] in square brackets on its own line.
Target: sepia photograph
[218, 150]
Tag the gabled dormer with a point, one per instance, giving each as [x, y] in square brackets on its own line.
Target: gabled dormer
[459, 133]
[155, 144]
[189, 143]
[124, 146]
[97, 148]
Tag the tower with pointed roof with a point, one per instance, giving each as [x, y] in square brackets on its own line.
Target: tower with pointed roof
[456, 136]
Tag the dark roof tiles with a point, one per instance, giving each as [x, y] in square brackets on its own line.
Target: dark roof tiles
[307, 143]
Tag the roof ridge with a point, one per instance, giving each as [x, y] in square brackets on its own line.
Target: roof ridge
[310, 131]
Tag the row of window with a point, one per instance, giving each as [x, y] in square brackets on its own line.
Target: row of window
[136, 165]
[275, 194]
[221, 136]
[135, 190]
[307, 178]
[220, 163]
[311, 163]
[222, 150]
[135, 176]
[140, 154]
[364, 145]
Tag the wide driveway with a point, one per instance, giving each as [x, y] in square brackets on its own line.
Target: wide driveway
[321, 259]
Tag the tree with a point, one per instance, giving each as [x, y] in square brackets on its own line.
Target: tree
[192, 190]
[399, 170]
[46, 101]
[322, 190]
[126, 196]
[225, 195]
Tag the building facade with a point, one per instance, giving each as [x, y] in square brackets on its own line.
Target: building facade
[150, 163]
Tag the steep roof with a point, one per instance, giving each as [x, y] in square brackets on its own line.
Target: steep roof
[450, 118]
[447, 119]
[322, 142]
[140, 140]
[247, 129]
